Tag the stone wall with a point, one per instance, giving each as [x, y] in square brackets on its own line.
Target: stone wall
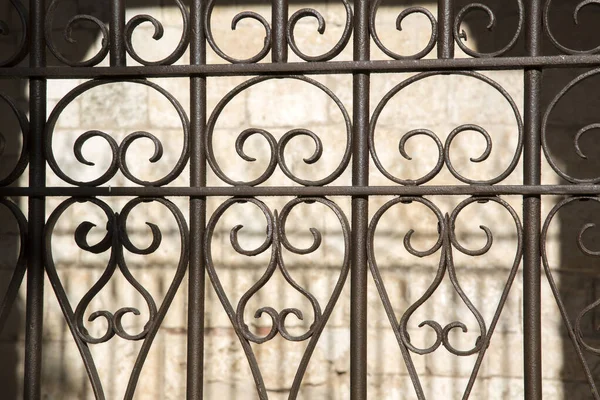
[438, 103]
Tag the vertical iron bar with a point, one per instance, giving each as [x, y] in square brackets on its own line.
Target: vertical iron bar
[532, 210]
[195, 355]
[118, 52]
[445, 47]
[360, 206]
[279, 18]
[37, 208]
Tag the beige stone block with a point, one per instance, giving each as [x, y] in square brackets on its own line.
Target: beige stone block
[412, 39]
[337, 388]
[234, 115]
[384, 356]
[576, 293]
[395, 388]
[232, 390]
[279, 361]
[59, 88]
[476, 102]
[334, 346]
[246, 40]
[115, 360]
[152, 50]
[414, 104]
[63, 374]
[164, 372]
[70, 117]
[162, 113]
[502, 363]
[116, 105]
[148, 7]
[503, 388]
[171, 15]
[298, 104]
[310, 42]
[341, 86]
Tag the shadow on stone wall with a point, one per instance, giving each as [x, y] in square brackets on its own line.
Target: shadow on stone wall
[576, 274]
[578, 279]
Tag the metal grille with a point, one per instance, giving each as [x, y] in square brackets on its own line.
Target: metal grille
[196, 228]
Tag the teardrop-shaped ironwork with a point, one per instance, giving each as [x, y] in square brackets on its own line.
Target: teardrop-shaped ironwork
[277, 241]
[115, 240]
[446, 242]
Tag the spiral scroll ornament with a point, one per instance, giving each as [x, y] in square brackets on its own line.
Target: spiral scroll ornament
[68, 35]
[5, 30]
[446, 243]
[584, 4]
[460, 35]
[158, 34]
[311, 12]
[401, 17]
[443, 149]
[116, 241]
[277, 148]
[276, 240]
[290, 26]
[119, 151]
[236, 19]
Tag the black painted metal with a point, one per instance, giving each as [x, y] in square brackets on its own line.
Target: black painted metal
[359, 152]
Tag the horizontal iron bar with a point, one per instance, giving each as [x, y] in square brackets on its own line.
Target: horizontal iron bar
[460, 190]
[331, 67]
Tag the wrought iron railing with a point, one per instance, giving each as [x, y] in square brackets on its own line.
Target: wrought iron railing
[196, 230]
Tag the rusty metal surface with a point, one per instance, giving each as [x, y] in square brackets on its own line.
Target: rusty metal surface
[358, 229]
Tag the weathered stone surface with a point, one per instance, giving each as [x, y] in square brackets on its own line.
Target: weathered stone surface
[439, 103]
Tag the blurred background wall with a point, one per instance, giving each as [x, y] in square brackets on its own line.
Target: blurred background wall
[438, 103]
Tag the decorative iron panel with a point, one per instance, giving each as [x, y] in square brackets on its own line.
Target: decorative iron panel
[359, 157]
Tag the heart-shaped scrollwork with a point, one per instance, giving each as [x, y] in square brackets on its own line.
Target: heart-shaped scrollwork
[447, 242]
[115, 240]
[277, 241]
